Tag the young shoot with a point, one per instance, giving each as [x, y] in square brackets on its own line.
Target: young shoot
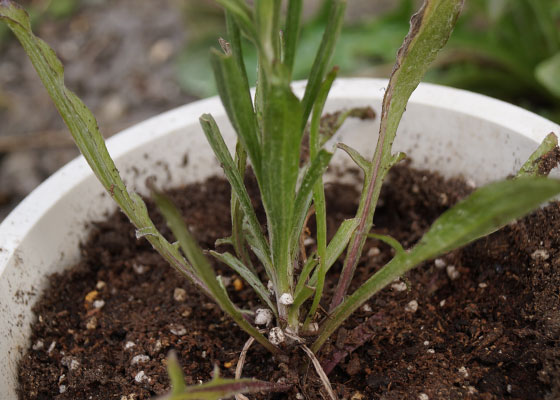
[273, 126]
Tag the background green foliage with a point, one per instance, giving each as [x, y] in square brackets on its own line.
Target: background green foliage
[508, 49]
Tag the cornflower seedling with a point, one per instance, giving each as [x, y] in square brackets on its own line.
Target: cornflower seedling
[271, 128]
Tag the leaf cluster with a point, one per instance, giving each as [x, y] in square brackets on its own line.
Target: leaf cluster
[272, 127]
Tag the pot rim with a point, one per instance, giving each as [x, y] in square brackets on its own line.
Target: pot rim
[22, 219]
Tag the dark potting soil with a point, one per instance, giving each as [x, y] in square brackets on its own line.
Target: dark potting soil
[480, 323]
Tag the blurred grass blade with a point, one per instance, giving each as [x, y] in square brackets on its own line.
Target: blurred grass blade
[231, 171]
[203, 268]
[548, 74]
[242, 13]
[323, 57]
[483, 212]
[291, 33]
[538, 163]
[430, 28]
[84, 130]
[249, 277]
[218, 388]
[236, 98]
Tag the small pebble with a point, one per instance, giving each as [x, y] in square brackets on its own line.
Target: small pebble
[157, 346]
[203, 354]
[426, 343]
[141, 377]
[509, 388]
[178, 330]
[399, 286]
[299, 396]
[187, 313]
[374, 251]
[91, 324]
[98, 304]
[161, 51]
[237, 284]
[51, 347]
[139, 268]
[472, 390]
[431, 351]
[129, 345]
[286, 299]
[263, 317]
[366, 308]
[276, 336]
[357, 396]
[179, 294]
[412, 306]
[442, 303]
[423, 396]
[38, 345]
[440, 263]
[470, 183]
[308, 241]
[100, 285]
[140, 359]
[62, 389]
[482, 285]
[91, 296]
[464, 373]
[452, 272]
[540, 255]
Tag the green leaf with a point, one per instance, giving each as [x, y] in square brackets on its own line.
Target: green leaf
[390, 241]
[84, 130]
[360, 160]
[242, 14]
[236, 98]
[282, 136]
[483, 212]
[334, 250]
[303, 199]
[323, 57]
[291, 34]
[430, 29]
[218, 388]
[203, 268]
[235, 179]
[537, 164]
[548, 74]
[249, 277]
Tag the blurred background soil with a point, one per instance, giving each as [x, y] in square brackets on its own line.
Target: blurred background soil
[132, 59]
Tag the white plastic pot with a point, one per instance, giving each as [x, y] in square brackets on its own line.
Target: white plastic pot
[448, 130]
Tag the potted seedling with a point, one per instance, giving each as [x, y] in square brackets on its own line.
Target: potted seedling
[271, 128]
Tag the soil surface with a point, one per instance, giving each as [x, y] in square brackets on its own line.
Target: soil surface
[480, 323]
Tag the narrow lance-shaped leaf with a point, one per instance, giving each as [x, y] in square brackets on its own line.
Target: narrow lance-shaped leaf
[203, 268]
[281, 144]
[291, 33]
[323, 57]
[84, 130]
[242, 14]
[543, 159]
[218, 388]
[483, 212]
[319, 193]
[235, 179]
[236, 98]
[249, 276]
[430, 29]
